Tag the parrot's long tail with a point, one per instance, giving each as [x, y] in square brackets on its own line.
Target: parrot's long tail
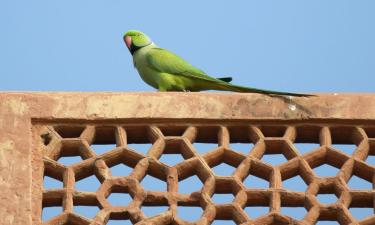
[236, 88]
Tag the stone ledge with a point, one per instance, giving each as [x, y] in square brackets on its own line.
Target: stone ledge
[71, 105]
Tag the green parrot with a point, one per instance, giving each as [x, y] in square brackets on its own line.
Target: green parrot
[166, 71]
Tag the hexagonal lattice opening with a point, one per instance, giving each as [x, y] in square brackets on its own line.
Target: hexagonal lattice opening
[119, 222]
[347, 148]
[326, 170]
[371, 156]
[121, 161]
[52, 183]
[296, 175]
[257, 204]
[327, 223]
[361, 205]
[171, 159]
[50, 212]
[361, 213]
[152, 183]
[274, 159]
[225, 191]
[87, 211]
[223, 161]
[242, 139]
[345, 139]
[244, 148]
[326, 161]
[172, 130]
[206, 139]
[189, 213]
[120, 215]
[252, 181]
[257, 176]
[51, 206]
[139, 138]
[362, 176]
[90, 183]
[277, 152]
[151, 211]
[306, 147]
[222, 198]
[295, 183]
[86, 206]
[297, 213]
[119, 199]
[307, 138]
[190, 184]
[153, 178]
[327, 194]
[192, 174]
[69, 131]
[175, 151]
[121, 170]
[370, 131]
[202, 148]
[69, 160]
[73, 219]
[273, 131]
[371, 160]
[327, 198]
[223, 169]
[293, 205]
[140, 147]
[72, 152]
[104, 139]
[256, 211]
[102, 148]
[358, 183]
[227, 214]
[223, 222]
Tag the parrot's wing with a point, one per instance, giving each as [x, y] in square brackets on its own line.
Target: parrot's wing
[167, 62]
[226, 79]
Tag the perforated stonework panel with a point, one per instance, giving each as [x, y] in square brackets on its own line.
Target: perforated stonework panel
[41, 184]
[262, 140]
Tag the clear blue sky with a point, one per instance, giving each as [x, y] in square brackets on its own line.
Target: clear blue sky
[309, 46]
[304, 46]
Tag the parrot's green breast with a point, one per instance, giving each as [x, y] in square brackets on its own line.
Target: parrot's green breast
[149, 75]
[158, 79]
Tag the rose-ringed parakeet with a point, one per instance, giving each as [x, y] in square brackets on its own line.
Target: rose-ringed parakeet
[166, 71]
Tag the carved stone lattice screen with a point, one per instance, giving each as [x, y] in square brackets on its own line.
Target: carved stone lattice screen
[55, 141]
[136, 132]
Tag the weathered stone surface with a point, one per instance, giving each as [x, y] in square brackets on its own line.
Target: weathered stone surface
[186, 105]
[19, 111]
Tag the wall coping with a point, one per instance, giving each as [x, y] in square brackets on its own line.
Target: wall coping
[96, 105]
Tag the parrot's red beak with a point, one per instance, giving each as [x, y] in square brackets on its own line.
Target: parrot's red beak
[128, 41]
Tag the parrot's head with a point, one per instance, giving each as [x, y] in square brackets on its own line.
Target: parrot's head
[135, 40]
